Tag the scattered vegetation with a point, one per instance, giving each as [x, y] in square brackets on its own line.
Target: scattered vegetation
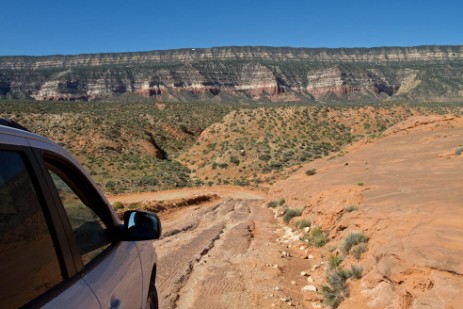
[144, 146]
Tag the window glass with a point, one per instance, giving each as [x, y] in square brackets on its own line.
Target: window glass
[28, 261]
[88, 228]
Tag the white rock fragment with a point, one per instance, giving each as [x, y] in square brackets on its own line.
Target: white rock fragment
[293, 282]
[311, 256]
[304, 274]
[309, 288]
[277, 288]
[309, 279]
[306, 229]
[276, 266]
[315, 305]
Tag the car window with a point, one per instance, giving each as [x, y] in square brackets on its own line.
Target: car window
[29, 265]
[89, 230]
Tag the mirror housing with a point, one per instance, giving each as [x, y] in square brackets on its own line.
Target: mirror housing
[141, 225]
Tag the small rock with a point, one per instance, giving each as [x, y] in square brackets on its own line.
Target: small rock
[271, 295]
[301, 248]
[309, 288]
[306, 229]
[276, 266]
[315, 305]
[315, 267]
[310, 279]
[304, 274]
[293, 282]
[310, 256]
[286, 299]
[277, 288]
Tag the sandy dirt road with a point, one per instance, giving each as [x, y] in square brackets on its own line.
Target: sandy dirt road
[227, 253]
[223, 255]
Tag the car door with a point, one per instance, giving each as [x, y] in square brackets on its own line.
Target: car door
[111, 268]
[35, 261]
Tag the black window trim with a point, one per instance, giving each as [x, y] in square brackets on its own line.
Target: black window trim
[74, 180]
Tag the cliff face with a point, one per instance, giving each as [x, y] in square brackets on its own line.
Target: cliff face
[240, 73]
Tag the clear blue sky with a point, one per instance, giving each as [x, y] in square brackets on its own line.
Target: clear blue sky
[44, 27]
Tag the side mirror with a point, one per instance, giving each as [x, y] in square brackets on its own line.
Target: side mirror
[141, 225]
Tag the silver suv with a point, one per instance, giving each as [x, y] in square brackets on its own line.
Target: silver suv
[61, 244]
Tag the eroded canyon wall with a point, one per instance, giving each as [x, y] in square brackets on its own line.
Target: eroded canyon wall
[241, 73]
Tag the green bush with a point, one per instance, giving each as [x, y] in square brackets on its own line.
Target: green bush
[302, 223]
[272, 204]
[358, 250]
[118, 205]
[351, 240]
[334, 261]
[459, 151]
[351, 208]
[356, 271]
[311, 172]
[336, 290]
[291, 213]
[316, 237]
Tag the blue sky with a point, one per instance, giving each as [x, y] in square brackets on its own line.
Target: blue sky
[44, 27]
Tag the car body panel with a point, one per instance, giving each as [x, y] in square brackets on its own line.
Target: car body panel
[78, 295]
[117, 280]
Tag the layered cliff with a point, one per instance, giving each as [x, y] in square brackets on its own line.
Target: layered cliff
[241, 73]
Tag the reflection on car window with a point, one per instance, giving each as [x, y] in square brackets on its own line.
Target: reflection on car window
[28, 262]
[89, 229]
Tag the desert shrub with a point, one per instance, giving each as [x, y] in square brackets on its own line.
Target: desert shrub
[134, 206]
[334, 260]
[302, 223]
[358, 250]
[316, 237]
[118, 205]
[356, 271]
[353, 239]
[291, 213]
[351, 208]
[281, 202]
[458, 151]
[311, 172]
[234, 160]
[272, 204]
[336, 289]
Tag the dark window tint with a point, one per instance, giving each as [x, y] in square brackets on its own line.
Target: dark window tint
[88, 228]
[28, 262]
